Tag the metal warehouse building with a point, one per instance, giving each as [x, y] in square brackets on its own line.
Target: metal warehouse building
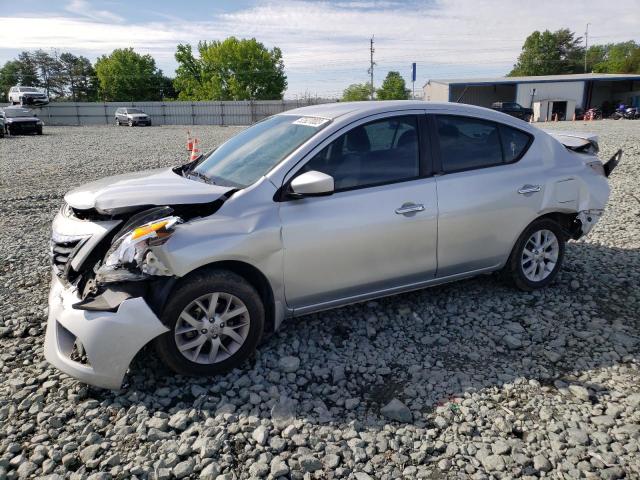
[547, 95]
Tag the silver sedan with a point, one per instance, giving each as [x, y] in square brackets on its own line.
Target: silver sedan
[308, 210]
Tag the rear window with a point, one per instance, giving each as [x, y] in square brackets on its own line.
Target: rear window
[467, 143]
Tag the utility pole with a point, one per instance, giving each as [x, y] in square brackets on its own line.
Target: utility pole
[586, 46]
[371, 64]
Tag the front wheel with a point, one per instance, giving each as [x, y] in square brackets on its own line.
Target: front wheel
[130, 123]
[537, 256]
[39, 130]
[117, 122]
[216, 320]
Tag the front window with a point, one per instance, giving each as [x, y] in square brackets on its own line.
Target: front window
[134, 110]
[252, 153]
[28, 89]
[383, 151]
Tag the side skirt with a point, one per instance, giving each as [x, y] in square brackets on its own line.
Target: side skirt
[341, 302]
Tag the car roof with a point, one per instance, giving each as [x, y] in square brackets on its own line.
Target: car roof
[345, 112]
[335, 110]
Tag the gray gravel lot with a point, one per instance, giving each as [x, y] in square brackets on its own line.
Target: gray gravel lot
[468, 380]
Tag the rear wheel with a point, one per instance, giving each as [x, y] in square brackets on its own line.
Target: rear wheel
[537, 256]
[215, 319]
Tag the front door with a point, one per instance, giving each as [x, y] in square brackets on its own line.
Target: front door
[377, 231]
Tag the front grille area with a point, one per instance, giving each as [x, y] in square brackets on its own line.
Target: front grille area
[63, 248]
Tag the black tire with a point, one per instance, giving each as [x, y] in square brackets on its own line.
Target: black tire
[39, 130]
[130, 123]
[514, 270]
[2, 132]
[192, 288]
[117, 122]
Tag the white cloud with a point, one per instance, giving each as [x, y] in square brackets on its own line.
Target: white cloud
[326, 45]
[84, 9]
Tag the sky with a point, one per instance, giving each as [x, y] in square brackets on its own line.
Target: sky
[325, 44]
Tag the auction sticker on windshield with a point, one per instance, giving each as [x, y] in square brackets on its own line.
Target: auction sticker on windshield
[311, 121]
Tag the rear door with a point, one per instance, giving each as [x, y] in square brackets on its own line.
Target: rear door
[486, 192]
[378, 230]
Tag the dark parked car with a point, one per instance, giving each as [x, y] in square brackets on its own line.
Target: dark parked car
[513, 109]
[131, 117]
[19, 120]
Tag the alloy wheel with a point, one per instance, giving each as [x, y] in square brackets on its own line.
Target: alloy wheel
[212, 328]
[540, 255]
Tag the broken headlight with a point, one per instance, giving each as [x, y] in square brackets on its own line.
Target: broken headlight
[130, 256]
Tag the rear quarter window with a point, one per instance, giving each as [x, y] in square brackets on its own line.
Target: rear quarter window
[514, 143]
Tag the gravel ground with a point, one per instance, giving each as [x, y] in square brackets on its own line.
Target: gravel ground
[468, 380]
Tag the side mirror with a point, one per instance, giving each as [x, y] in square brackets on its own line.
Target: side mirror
[312, 184]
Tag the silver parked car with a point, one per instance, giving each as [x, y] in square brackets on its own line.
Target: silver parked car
[131, 116]
[307, 210]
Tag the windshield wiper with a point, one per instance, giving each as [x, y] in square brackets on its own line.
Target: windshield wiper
[201, 176]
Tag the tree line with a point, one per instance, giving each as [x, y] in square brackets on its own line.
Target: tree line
[244, 69]
[562, 52]
[232, 69]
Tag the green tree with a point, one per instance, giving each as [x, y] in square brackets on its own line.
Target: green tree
[78, 77]
[550, 53]
[22, 71]
[28, 70]
[50, 73]
[232, 69]
[9, 76]
[125, 75]
[357, 92]
[621, 57]
[393, 88]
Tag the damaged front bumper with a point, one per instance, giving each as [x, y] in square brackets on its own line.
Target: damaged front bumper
[96, 347]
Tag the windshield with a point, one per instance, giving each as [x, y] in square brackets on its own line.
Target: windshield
[28, 89]
[17, 112]
[252, 153]
[134, 110]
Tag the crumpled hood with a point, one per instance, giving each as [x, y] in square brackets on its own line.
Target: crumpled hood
[149, 187]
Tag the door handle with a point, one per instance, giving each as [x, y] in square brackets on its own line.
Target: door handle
[407, 208]
[529, 189]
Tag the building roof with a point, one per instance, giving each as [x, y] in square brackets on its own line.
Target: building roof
[536, 79]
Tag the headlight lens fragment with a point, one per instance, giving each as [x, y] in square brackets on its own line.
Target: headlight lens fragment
[129, 254]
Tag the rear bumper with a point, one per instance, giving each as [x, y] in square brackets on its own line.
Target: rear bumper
[110, 339]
